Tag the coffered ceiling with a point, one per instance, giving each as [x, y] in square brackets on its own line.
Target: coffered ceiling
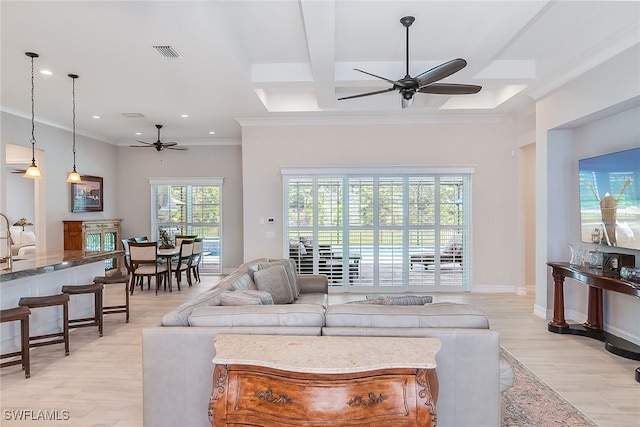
[290, 59]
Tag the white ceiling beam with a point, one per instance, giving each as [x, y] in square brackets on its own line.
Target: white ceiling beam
[319, 24]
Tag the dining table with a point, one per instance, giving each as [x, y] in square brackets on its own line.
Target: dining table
[168, 254]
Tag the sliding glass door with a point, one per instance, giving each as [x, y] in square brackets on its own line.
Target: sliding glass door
[396, 232]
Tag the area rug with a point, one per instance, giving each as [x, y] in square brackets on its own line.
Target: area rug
[532, 403]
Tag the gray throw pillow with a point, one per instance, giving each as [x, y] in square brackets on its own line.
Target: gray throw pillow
[275, 281]
[291, 273]
[397, 300]
[245, 297]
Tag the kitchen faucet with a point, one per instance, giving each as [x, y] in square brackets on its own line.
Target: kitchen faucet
[8, 259]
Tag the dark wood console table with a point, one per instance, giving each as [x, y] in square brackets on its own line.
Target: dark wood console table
[593, 327]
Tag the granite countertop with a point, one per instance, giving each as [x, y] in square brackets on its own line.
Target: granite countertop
[326, 354]
[25, 266]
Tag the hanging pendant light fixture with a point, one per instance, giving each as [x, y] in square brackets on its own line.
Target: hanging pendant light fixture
[32, 172]
[74, 176]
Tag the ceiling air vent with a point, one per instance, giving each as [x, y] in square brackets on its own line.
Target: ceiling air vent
[133, 115]
[167, 51]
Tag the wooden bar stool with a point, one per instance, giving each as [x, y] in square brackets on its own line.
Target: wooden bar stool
[13, 315]
[109, 280]
[96, 290]
[50, 301]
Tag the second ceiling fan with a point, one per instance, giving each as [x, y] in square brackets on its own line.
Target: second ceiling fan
[159, 145]
[425, 82]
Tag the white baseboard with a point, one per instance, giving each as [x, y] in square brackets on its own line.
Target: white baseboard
[493, 289]
[542, 312]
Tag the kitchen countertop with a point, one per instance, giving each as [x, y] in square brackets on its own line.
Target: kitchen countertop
[26, 266]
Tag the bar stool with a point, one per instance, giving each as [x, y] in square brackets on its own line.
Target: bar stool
[109, 280]
[50, 301]
[12, 315]
[96, 290]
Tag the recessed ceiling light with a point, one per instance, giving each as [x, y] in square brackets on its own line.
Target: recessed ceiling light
[211, 132]
[184, 116]
[46, 72]
[138, 133]
[95, 117]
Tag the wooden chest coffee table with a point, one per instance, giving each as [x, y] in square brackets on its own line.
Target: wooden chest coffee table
[273, 380]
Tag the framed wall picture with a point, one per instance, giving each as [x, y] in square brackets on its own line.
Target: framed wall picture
[86, 196]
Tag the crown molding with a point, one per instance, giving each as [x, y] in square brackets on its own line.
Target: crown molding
[373, 120]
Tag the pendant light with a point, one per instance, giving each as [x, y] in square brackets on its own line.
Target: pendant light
[74, 176]
[32, 172]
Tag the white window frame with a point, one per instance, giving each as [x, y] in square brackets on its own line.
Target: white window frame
[182, 181]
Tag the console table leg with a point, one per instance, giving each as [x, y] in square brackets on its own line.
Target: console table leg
[558, 302]
[594, 309]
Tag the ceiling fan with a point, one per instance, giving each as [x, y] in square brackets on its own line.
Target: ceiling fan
[159, 145]
[425, 82]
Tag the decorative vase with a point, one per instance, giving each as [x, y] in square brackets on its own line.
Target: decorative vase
[577, 255]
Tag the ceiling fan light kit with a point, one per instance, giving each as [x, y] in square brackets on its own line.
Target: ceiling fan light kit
[32, 172]
[424, 83]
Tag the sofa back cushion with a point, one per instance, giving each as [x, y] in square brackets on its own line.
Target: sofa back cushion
[301, 315]
[440, 315]
[180, 315]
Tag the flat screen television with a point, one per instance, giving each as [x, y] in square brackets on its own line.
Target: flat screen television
[610, 199]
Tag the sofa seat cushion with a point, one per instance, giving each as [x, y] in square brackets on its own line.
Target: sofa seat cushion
[316, 299]
[440, 315]
[302, 315]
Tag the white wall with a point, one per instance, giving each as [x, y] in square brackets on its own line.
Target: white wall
[596, 113]
[52, 194]
[20, 193]
[497, 230]
[136, 166]
[615, 133]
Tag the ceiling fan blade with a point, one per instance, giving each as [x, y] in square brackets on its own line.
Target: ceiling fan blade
[169, 144]
[143, 142]
[20, 171]
[142, 146]
[393, 82]
[176, 148]
[367, 94]
[441, 71]
[450, 89]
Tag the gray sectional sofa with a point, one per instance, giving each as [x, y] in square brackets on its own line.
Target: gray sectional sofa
[177, 352]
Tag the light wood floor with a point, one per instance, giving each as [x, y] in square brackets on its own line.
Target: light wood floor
[100, 382]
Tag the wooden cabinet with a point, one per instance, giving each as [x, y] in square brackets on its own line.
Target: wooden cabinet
[99, 235]
[336, 381]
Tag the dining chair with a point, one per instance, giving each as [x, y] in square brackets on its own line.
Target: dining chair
[179, 238]
[194, 266]
[183, 261]
[127, 264]
[143, 257]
